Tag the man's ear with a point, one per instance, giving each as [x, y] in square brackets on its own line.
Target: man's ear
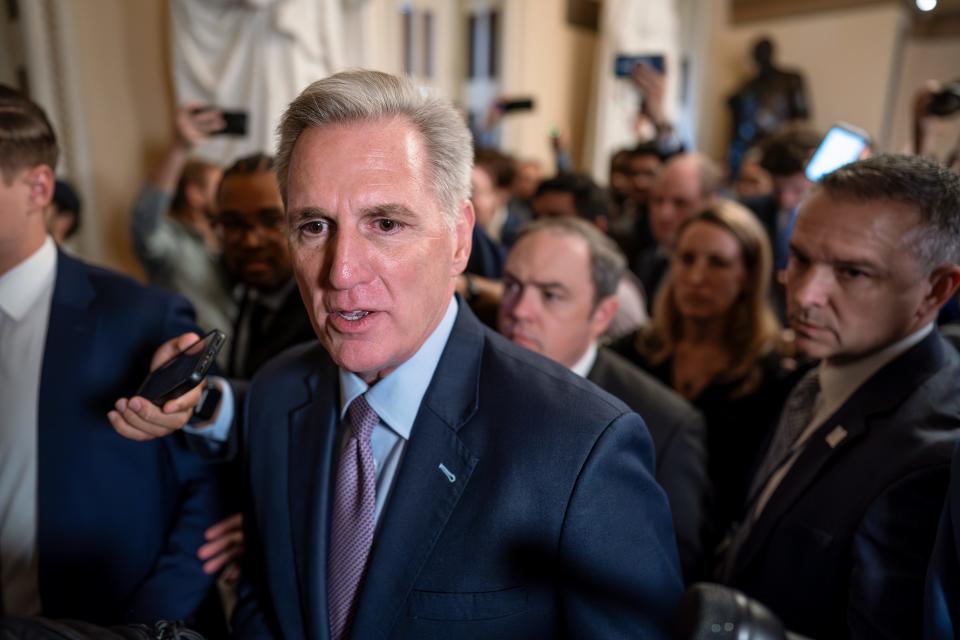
[603, 315]
[40, 181]
[463, 237]
[943, 284]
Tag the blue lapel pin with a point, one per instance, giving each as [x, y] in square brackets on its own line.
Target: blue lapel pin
[447, 473]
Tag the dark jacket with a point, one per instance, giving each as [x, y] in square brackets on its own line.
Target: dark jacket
[679, 440]
[841, 548]
[549, 524]
[118, 522]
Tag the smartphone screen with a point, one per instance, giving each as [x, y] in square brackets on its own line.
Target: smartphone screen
[842, 145]
[182, 372]
[623, 65]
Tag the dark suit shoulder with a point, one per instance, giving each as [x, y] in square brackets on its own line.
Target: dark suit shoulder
[307, 359]
[638, 389]
[113, 287]
[533, 379]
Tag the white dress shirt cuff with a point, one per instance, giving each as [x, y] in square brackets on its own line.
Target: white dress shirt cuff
[217, 428]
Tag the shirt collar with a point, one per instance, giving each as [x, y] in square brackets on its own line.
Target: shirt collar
[22, 286]
[396, 398]
[839, 382]
[582, 366]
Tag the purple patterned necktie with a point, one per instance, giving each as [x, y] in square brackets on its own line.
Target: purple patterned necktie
[351, 529]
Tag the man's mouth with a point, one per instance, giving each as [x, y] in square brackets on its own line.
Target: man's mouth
[353, 315]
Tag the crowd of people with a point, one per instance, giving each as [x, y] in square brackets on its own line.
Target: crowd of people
[464, 397]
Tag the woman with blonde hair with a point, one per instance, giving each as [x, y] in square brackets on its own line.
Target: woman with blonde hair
[715, 340]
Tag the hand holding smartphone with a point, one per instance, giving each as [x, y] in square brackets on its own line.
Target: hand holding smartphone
[182, 372]
[235, 122]
[624, 65]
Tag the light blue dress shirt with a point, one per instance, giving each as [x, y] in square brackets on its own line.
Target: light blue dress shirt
[396, 399]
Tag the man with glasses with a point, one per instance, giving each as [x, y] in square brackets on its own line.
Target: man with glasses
[250, 220]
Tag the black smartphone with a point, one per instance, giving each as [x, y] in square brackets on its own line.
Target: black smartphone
[945, 102]
[182, 372]
[518, 104]
[235, 122]
[624, 65]
[843, 144]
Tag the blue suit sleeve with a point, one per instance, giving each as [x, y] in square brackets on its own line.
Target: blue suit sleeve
[622, 573]
[177, 585]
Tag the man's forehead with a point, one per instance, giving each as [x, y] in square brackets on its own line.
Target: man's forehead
[549, 251]
[380, 155]
[829, 222]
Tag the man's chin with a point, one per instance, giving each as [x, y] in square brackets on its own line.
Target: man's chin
[357, 358]
[813, 349]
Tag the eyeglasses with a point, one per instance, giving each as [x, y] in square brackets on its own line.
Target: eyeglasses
[235, 226]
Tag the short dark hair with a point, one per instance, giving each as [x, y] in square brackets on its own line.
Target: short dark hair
[27, 138]
[248, 165]
[589, 199]
[254, 163]
[196, 173]
[786, 153]
[67, 202]
[607, 262]
[652, 148]
[927, 185]
[501, 168]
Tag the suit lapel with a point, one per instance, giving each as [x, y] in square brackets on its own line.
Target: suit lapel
[431, 479]
[70, 336]
[313, 429]
[884, 391]
[70, 340]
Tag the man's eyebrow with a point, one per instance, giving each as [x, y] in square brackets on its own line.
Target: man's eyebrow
[389, 210]
[539, 284]
[862, 264]
[307, 213]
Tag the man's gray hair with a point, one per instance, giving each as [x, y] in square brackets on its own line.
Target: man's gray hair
[363, 96]
[930, 187]
[607, 263]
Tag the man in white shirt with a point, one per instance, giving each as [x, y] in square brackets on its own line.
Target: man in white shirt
[92, 527]
[844, 506]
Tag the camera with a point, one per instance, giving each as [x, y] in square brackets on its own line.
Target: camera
[945, 102]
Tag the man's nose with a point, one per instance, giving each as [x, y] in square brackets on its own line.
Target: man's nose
[525, 304]
[251, 237]
[347, 259]
[811, 287]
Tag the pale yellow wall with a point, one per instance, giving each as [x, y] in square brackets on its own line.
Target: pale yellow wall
[845, 55]
[552, 61]
[926, 59]
[121, 58]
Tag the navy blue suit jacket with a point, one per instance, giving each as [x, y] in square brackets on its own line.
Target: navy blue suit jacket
[942, 616]
[119, 522]
[552, 525]
[841, 548]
